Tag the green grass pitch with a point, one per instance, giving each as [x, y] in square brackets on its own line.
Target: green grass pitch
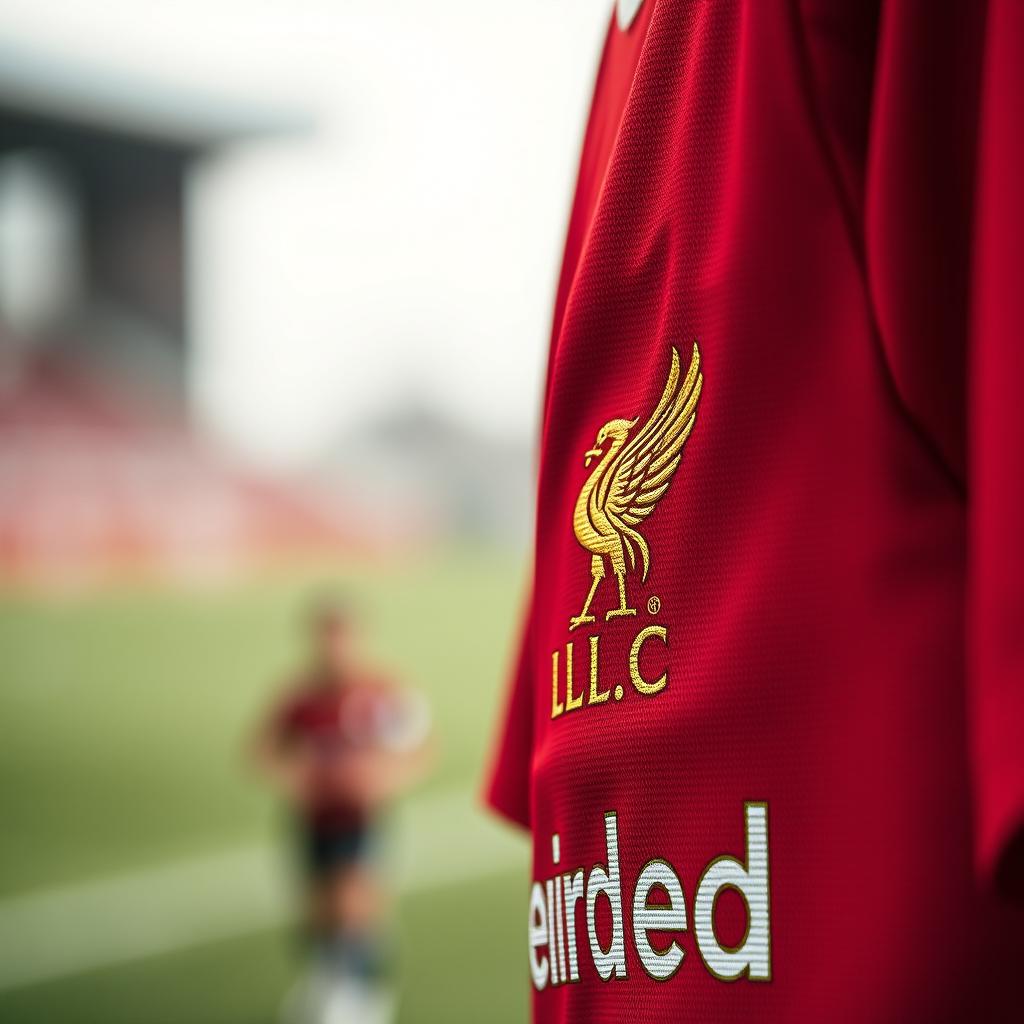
[122, 717]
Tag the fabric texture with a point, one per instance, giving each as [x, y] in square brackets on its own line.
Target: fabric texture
[822, 196]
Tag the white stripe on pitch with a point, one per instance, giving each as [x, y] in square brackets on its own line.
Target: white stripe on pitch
[439, 840]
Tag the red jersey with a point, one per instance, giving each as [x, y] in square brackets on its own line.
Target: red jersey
[328, 721]
[767, 727]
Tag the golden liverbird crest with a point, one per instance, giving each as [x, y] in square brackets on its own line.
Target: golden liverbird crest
[631, 478]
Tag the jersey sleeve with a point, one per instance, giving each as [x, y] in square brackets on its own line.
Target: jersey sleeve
[508, 788]
[944, 237]
[995, 635]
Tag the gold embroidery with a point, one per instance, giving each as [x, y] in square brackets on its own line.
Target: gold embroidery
[640, 684]
[596, 696]
[571, 702]
[631, 478]
[556, 704]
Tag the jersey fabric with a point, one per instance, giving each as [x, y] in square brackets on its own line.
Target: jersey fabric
[767, 726]
[326, 721]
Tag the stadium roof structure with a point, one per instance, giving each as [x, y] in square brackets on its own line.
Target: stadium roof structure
[58, 89]
[116, 147]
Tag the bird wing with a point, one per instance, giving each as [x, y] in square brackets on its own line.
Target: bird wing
[641, 473]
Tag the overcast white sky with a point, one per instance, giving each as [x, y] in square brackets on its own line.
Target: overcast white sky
[409, 245]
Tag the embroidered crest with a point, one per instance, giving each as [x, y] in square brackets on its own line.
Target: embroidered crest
[632, 476]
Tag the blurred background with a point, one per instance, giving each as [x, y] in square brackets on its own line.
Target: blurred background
[275, 283]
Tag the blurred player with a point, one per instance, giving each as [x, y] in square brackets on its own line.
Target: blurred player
[340, 745]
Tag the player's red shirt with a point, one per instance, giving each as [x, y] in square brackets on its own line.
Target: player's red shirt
[328, 720]
[768, 722]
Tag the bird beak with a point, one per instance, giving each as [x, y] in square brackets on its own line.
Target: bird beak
[594, 453]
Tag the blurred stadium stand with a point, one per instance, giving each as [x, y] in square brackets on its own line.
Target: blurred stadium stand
[100, 469]
[103, 470]
[99, 479]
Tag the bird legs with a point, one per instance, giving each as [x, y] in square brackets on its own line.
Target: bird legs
[597, 571]
[615, 613]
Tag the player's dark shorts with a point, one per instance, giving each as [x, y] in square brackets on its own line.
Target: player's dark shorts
[327, 848]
